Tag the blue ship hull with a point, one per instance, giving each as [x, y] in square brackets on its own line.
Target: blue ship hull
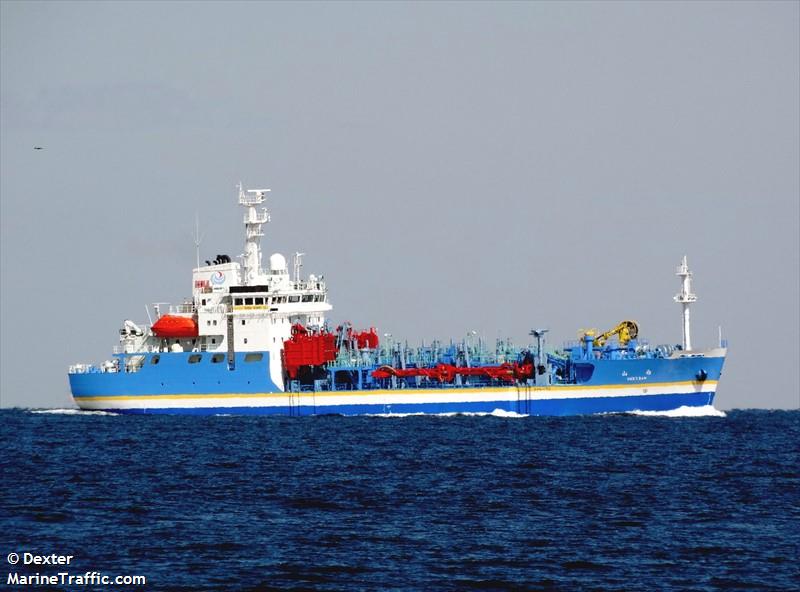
[175, 386]
[587, 406]
[174, 375]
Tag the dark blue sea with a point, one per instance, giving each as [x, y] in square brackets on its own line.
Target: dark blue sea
[618, 502]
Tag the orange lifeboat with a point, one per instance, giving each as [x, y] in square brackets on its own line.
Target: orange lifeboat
[173, 326]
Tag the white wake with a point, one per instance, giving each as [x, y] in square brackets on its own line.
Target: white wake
[704, 411]
[495, 413]
[70, 412]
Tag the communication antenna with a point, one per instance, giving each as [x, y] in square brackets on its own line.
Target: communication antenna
[197, 238]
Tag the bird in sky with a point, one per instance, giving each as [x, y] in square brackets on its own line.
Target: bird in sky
[38, 147]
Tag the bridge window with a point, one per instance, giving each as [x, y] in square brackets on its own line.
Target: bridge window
[308, 298]
[238, 301]
[253, 357]
[294, 298]
[259, 301]
[248, 301]
[195, 358]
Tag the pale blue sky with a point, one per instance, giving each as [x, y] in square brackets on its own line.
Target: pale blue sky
[448, 166]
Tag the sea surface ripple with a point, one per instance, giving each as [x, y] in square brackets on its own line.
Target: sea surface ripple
[619, 502]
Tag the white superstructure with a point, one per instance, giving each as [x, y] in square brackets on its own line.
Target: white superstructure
[242, 307]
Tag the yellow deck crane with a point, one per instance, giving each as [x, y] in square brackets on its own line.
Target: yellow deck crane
[625, 331]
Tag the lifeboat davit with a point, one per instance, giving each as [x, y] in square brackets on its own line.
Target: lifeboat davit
[173, 326]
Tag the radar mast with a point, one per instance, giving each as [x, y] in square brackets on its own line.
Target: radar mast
[685, 297]
[253, 221]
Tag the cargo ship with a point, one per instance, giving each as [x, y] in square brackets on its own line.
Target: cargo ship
[256, 340]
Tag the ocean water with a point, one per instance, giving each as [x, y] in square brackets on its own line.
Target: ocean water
[616, 502]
